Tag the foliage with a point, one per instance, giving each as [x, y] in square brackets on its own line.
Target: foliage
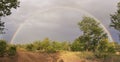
[65, 46]
[5, 9]
[77, 45]
[50, 49]
[11, 50]
[87, 55]
[7, 50]
[111, 47]
[37, 45]
[46, 45]
[115, 19]
[3, 46]
[101, 54]
[6, 6]
[104, 46]
[117, 47]
[92, 33]
[29, 47]
[105, 49]
[57, 45]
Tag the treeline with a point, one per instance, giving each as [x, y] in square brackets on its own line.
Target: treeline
[50, 46]
[46, 45]
[104, 48]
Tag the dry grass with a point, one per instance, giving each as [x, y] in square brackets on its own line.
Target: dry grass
[78, 57]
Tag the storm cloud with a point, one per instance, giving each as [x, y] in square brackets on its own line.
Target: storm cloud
[59, 24]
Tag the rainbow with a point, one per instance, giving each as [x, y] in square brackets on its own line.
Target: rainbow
[76, 8]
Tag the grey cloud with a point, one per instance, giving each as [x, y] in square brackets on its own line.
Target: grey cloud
[61, 18]
[62, 25]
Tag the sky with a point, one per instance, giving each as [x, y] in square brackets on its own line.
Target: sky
[56, 19]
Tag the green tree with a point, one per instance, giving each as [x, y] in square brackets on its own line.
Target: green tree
[92, 33]
[5, 10]
[115, 19]
[3, 46]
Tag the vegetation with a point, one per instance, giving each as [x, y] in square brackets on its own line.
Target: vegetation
[46, 45]
[93, 34]
[11, 50]
[5, 10]
[115, 19]
[7, 50]
[117, 47]
[92, 44]
[115, 23]
[94, 39]
[77, 45]
[3, 46]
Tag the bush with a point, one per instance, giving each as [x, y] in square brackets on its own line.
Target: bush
[50, 49]
[6, 49]
[102, 54]
[11, 50]
[30, 47]
[87, 55]
[77, 46]
[3, 46]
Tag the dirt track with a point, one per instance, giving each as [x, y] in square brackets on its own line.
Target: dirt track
[45, 57]
[31, 57]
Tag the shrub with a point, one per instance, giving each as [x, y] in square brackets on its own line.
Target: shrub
[11, 50]
[30, 47]
[77, 46]
[87, 55]
[50, 49]
[103, 54]
[3, 46]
